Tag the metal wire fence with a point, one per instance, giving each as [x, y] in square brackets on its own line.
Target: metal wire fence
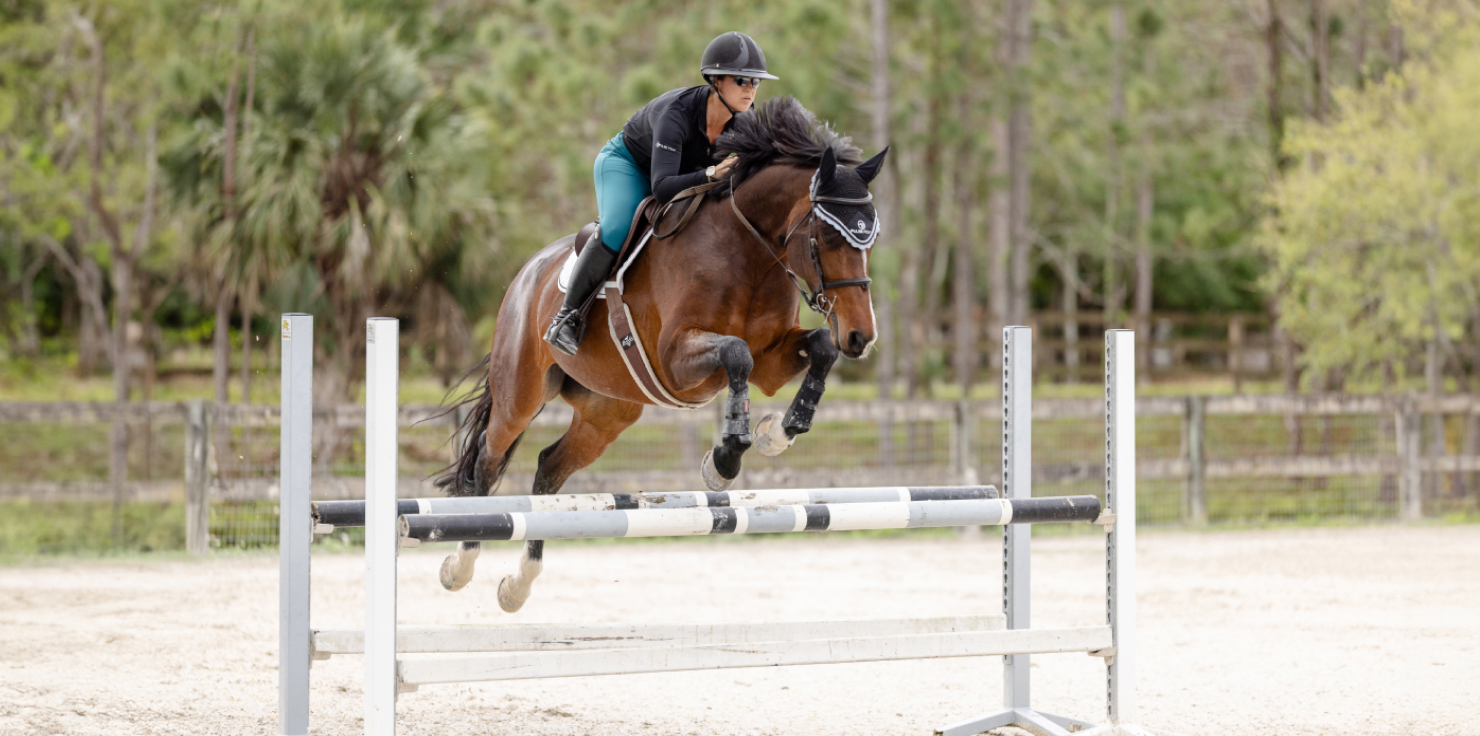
[1215, 460]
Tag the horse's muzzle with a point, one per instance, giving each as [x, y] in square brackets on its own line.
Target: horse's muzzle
[854, 346]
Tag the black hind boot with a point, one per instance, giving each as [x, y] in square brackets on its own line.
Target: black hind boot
[593, 265]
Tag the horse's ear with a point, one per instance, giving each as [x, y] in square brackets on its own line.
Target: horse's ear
[827, 169]
[871, 168]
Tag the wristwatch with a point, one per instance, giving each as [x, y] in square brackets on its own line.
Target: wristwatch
[709, 172]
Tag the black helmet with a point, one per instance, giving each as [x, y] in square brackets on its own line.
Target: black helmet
[734, 54]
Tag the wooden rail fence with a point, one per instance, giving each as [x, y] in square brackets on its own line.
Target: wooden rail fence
[1407, 461]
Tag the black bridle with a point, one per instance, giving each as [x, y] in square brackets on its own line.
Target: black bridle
[816, 300]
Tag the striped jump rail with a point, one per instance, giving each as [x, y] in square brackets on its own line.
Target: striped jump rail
[688, 522]
[329, 515]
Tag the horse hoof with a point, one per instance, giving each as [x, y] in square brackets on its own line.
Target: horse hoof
[453, 579]
[770, 437]
[507, 600]
[712, 479]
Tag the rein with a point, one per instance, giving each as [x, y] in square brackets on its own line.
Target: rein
[817, 300]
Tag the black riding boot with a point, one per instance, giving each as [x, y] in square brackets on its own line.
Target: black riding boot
[593, 265]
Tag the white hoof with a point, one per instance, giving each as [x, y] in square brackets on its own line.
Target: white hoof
[712, 479]
[457, 569]
[770, 437]
[513, 590]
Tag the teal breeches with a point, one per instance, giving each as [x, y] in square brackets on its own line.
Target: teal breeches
[620, 187]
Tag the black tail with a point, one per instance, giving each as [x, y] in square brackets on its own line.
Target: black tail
[469, 476]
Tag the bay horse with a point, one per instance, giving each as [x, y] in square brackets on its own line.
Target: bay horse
[719, 301]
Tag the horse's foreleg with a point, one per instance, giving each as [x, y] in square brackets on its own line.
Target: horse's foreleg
[775, 433]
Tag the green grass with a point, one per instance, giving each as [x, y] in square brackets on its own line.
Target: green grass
[84, 528]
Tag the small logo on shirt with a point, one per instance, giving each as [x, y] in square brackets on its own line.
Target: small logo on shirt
[666, 148]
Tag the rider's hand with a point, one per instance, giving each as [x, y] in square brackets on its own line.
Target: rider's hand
[723, 166]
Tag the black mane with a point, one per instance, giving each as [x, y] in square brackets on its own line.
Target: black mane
[780, 131]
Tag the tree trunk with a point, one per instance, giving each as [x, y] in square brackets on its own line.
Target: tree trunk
[246, 395]
[924, 330]
[1359, 48]
[884, 185]
[999, 242]
[92, 321]
[1320, 62]
[1068, 267]
[1020, 124]
[1112, 289]
[123, 285]
[221, 368]
[221, 346]
[964, 266]
[30, 337]
[1145, 204]
[1145, 208]
[1273, 40]
[1396, 48]
[93, 350]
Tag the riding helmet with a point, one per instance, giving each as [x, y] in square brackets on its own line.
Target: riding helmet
[734, 54]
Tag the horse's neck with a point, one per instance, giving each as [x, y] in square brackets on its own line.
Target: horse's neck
[768, 201]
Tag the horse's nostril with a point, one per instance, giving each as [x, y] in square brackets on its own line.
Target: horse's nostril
[856, 343]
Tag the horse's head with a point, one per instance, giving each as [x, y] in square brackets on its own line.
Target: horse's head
[832, 249]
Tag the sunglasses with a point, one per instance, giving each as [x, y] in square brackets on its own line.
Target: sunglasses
[743, 82]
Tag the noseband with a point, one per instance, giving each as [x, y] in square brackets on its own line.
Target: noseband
[816, 300]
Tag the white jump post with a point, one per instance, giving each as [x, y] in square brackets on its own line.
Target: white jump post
[533, 651]
[294, 520]
[382, 374]
[1120, 543]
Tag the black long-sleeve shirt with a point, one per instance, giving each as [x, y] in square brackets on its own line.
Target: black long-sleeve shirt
[669, 139]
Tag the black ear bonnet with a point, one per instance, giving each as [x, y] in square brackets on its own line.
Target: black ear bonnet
[858, 224]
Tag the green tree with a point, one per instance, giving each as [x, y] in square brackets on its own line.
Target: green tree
[1373, 231]
[361, 183]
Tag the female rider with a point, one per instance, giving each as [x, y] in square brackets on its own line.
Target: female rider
[665, 148]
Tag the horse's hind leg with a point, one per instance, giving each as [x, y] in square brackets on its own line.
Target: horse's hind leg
[597, 422]
[519, 396]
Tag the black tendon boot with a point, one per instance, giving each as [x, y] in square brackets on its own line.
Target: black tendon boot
[592, 267]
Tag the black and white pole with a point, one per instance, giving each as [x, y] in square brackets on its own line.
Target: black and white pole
[690, 522]
[382, 369]
[294, 523]
[330, 515]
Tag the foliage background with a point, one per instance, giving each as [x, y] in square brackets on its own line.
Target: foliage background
[172, 168]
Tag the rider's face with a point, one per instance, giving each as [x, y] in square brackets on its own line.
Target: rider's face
[739, 98]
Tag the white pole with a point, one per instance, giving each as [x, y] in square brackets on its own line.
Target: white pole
[295, 457]
[1017, 482]
[1120, 497]
[382, 369]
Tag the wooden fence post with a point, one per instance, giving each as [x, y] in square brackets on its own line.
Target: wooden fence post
[197, 478]
[1194, 432]
[1236, 352]
[965, 462]
[1410, 475]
